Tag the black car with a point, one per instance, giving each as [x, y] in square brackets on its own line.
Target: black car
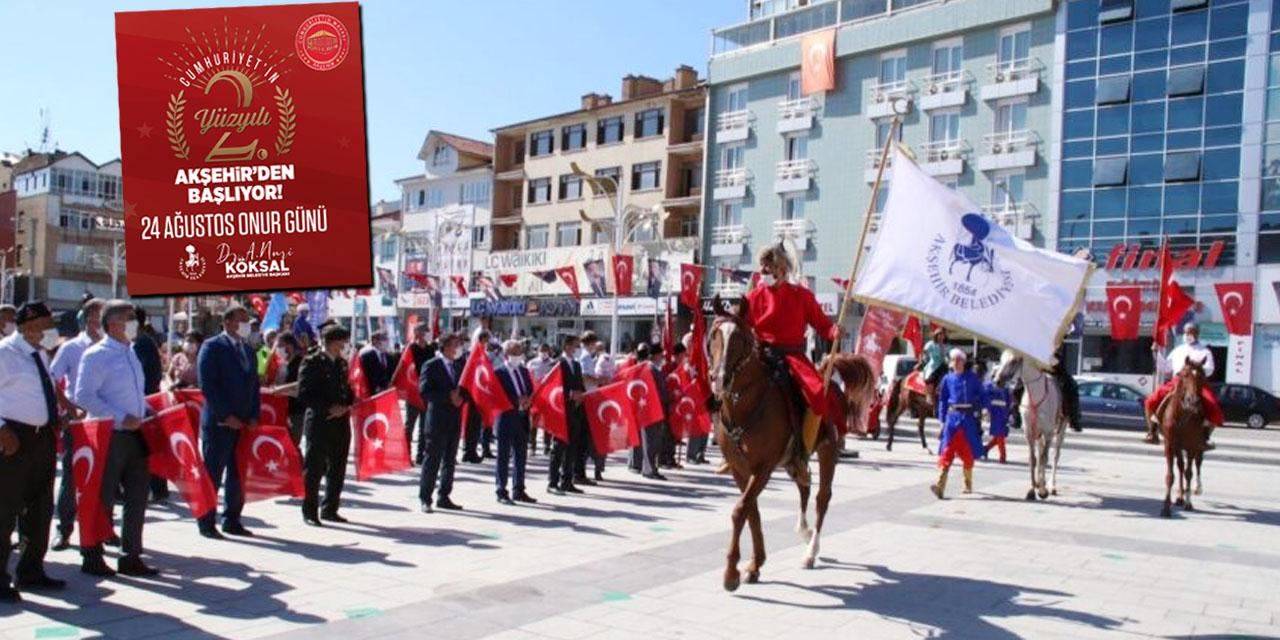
[1243, 403]
[1110, 404]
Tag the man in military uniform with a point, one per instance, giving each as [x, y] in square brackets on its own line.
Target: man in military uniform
[325, 392]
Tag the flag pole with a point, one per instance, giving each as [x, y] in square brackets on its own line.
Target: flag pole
[1155, 327]
[862, 241]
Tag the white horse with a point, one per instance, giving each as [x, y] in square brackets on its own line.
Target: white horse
[1042, 419]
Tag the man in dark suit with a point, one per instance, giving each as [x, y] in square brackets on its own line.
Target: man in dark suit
[228, 378]
[564, 455]
[325, 392]
[438, 384]
[375, 363]
[513, 426]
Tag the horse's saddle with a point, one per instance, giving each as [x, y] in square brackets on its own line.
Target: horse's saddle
[916, 383]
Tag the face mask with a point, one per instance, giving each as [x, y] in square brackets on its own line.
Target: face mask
[131, 329]
[49, 339]
[346, 351]
[1188, 339]
[515, 361]
[242, 331]
[769, 280]
[8, 329]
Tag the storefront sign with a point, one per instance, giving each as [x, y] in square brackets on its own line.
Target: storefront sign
[1240, 359]
[243, 140]
[1127, 258]
[527, 261]
[626, 306]
[553, 308]
[484, 307]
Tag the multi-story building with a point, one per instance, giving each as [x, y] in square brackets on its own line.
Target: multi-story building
[648, 144]
[8, 212]
[976, 79]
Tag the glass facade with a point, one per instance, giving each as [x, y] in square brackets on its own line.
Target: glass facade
[1269, 218]
[1153, 102]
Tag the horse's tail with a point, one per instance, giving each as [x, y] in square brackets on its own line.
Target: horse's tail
[892, 408]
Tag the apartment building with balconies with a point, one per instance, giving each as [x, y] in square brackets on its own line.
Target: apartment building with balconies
[976, 76]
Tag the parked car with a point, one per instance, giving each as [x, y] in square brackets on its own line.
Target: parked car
[1110, 404]
[1248, 404]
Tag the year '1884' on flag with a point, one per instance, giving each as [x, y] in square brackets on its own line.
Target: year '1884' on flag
[937, 255]
[242, 133]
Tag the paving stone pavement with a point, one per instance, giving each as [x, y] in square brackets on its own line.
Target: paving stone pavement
[640, 559]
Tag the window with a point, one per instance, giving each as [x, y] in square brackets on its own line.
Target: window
[1182, 167]
[600, 235]
[568, 234]
[797, 147]
[1011, 117]
[947, 60]
[793, 86]
[1178, 5]
[731, 157]
[793, 208]
[693, 123]
[1112, 90]
[944, 128]
[1186, 81]
[645, 175]
[882, 133]
[1109, 172]
[688, 226]
[478, 235]
[649, 123]
[1007, 190]
[573, 137]
[893, 69]
[535, 237]
[609, 130]
[440, 156]
[422, 197]
[540, 190]
[1015, 47]
[570, 187]
[611, 176]
[435, 197]
[542, 143]
[730, 214]
[736, 98]
[1113, 10]
[474, 192]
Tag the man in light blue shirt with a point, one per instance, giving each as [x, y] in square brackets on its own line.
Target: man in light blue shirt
[111, 384]
[63, 370]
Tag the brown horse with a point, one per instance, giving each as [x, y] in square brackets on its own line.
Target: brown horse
[758, 421]
[1181, 417]
[901, 399]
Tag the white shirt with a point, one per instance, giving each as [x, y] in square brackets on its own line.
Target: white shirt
[110, 382]
[540, 366]
[1196, 351]
[588, 364]
[66, 362]
[21, 393]
[605, 368]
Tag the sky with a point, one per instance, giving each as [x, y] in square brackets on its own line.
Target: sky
[461, 67]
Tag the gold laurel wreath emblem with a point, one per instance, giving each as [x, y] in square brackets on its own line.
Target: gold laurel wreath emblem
[173, 126]
[284, 109]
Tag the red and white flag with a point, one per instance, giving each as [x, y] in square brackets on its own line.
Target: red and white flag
[158, 402]
[355, 377]
[690, 287]
[1236, 299]
[691, 410]
[90, 441]
[193, 400]
[613, 425]
[1124, 309]
[273, 409]
[1174, 302]
[480, 382]
[548, 404]
[642, 392]
[914, 335]
[624, 271]
[508, 280]
[406, 381]
[460, 283]
[569, 275]
[171, 443]
[379, 436]
[879, 327]
[269, 464]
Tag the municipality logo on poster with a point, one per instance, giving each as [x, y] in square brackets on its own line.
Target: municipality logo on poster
[191, 265]
[963, 270]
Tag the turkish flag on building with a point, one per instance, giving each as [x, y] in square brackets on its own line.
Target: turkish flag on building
[642, 391]
[171, 443]
[90, 441]
[460, 283]
[355, 377]
[569, 276]
[406, 381]
[818, 62]
[379, 438]
[482, 385]
[269, 464]
[879, 327]
[1124, 306]
[690, 287]
[613, 425]
[1174, 302]
[914, 335]
[1236, 299]
[624, 270]
[273, 409]
[548, 404]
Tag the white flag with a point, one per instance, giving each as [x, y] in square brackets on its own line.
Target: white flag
[938, 256]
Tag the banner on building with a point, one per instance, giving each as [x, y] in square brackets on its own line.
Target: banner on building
[818, 62]
[1124, 309]
[243, 144]
[1236, 300]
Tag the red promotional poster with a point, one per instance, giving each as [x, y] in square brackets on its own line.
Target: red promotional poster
[548, 405]
[90, 441]
[879, 327]
[242, 136]
[613, 425]
[270, 465]
[171, 442]
[379, 436]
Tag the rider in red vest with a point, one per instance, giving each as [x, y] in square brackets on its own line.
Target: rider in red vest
[1197, 351]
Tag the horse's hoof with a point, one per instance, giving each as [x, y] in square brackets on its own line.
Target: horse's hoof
[808, 563]
[1031, 495]
[731, 581]
[1179, 502]
[1166, 512]
[1199, 490]
[1053, 492]
[888, 447]
[1188, 506]
[1044, 494]
[753, 577]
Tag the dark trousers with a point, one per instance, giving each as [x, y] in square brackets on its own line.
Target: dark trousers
[126, 471]
[66, 489]
[159, 487]
[697, 449]
[651, 441]
[218, 444]
[442, 451]
[296, 423]
[566, 456]
[415, 423]
[471, 443]
[586, 451]
[328, 445]
[513, 449]
[26, 500]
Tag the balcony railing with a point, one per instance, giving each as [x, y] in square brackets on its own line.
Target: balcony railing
[1019, 218]
[732, 177]
[819, 14]
[1013, 70]
[886, 91]
[792, 169]
[729, 234]
[873, 159]
[1010, 141]
[733, 120]
[942, 82]
[798, 108]
[943, 150]
[796, 229]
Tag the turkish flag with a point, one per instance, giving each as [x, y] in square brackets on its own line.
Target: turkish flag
[460, 283]
[158, 402]
[613, 425]
[548, 404]
[1174, 302]
[669, 333]
[624, 271]
[258, 303]
[508, 280]
[914, 335]
[690, 286]
[818, 62]
[171, 442]
[273, 369]
[642, 391]
[1124, 306]
[570, 277]
[273, 409]
[698, 352]
[379, 436]
[482, 384]
[843, 283]
[692, 410]
[355, 377]
[1236, 299]
[269, 464]
[193, 400]
[879, 327]
[406, 381]
[90, 442]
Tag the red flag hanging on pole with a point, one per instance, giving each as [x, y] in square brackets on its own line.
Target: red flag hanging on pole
[569, 275]
[1124, 308]
[914, 335]
[406, 381]
[876, 333]
[269, 464]
[273, 409]
[624, 270]
[460, 283]
[171, 444]
[613, 426]
[548, 404]
[669, 331]
[379, 436]
[690, 286]
[480, 382]
[508, 280]
[642, 392]
[90, 441]
[1174, 302]
[1236, 300]
[355, 377]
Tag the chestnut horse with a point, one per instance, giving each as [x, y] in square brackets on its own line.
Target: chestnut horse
[1181, 417]
[903, 398]
[757, 425]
